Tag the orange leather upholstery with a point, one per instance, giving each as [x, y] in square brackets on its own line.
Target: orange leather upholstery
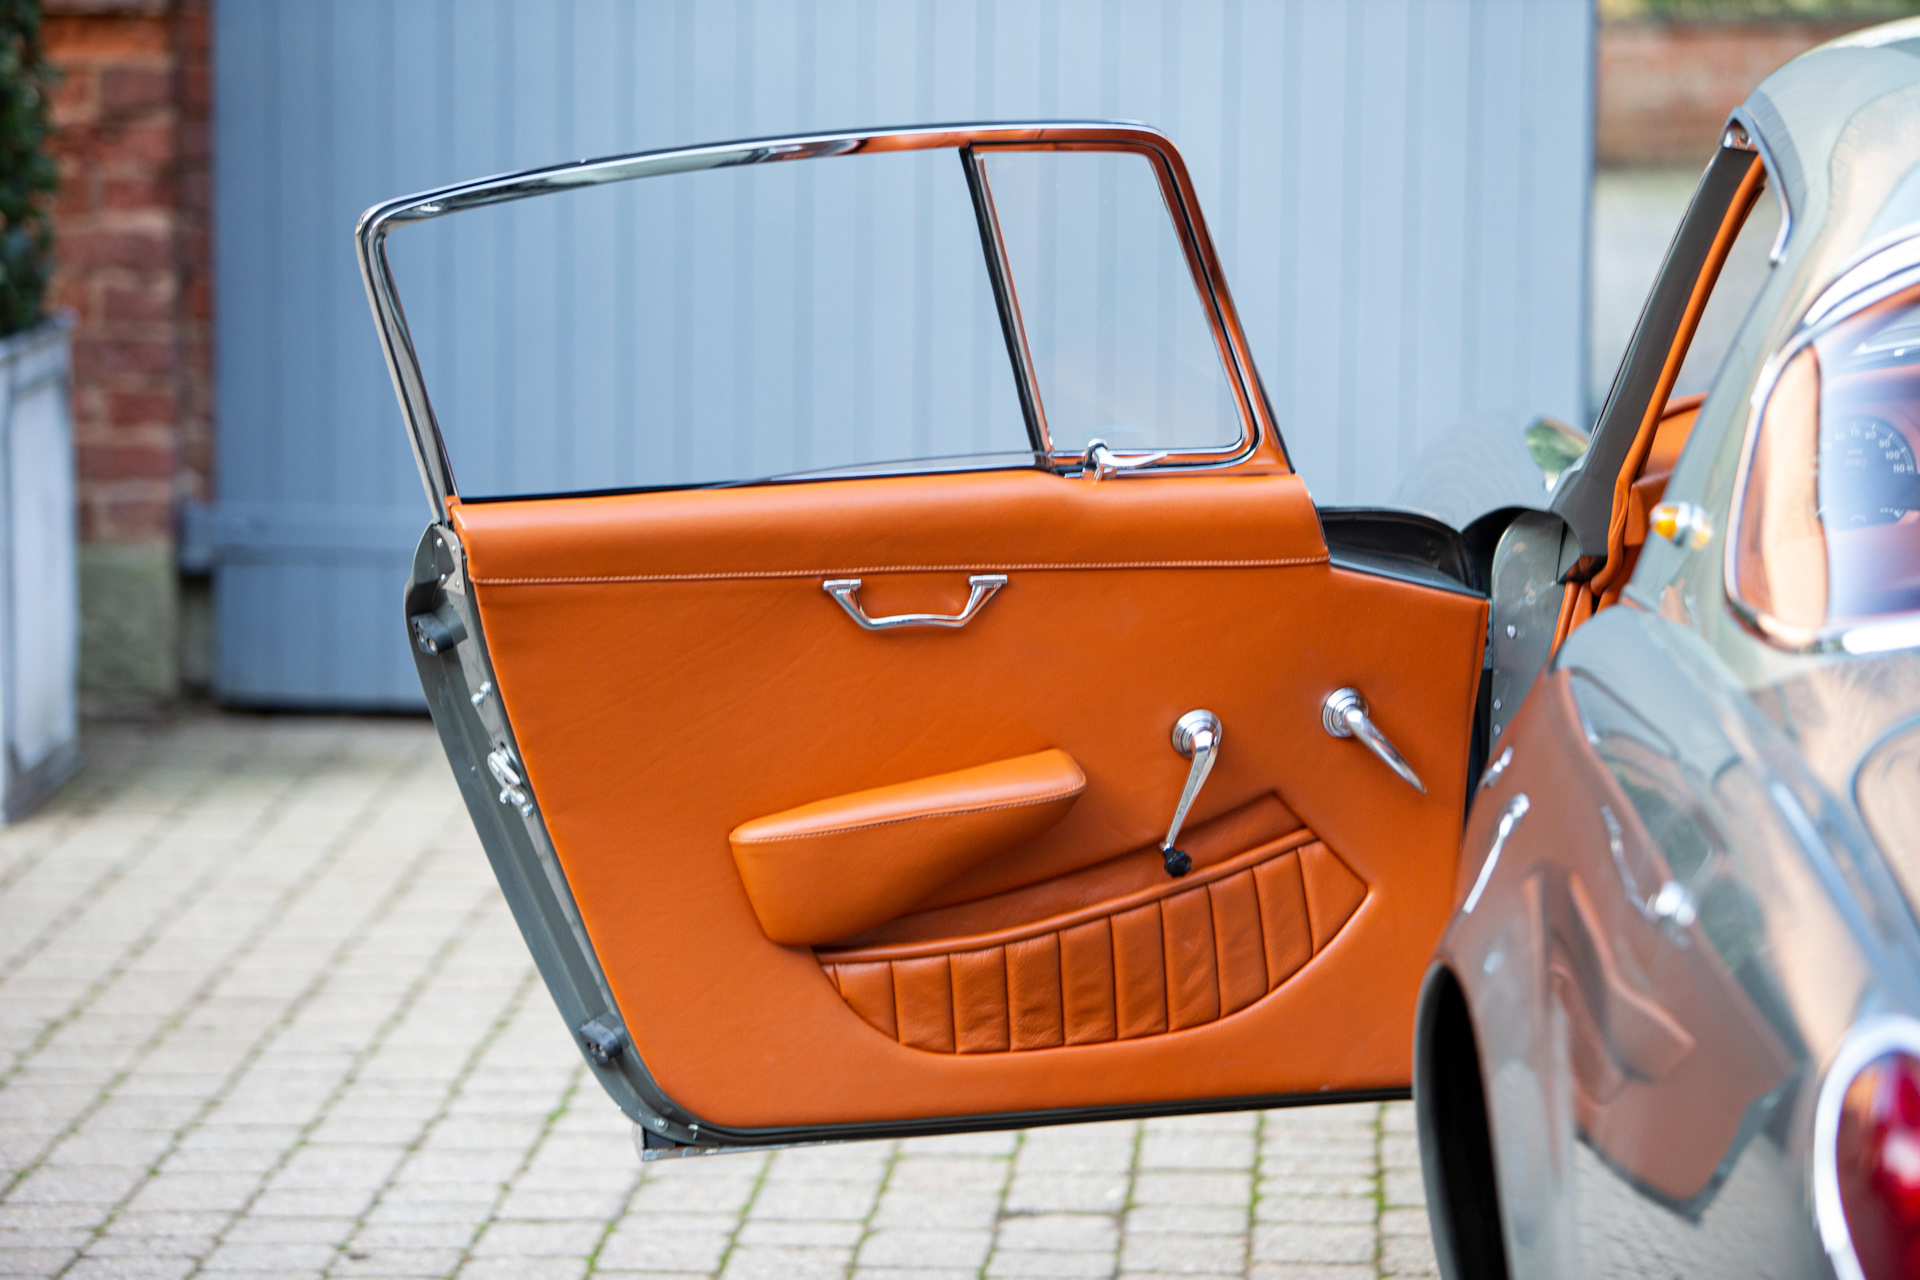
[672, 670]
[1180, 954]
[834, 867]
[1669, 438]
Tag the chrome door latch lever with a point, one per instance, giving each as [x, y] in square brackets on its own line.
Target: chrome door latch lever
[1196, 735]
[1345, 716]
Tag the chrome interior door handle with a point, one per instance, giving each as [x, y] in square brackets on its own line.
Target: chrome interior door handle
[1099, 461]
[982, 586]
[1345, 716]
[1196, 735]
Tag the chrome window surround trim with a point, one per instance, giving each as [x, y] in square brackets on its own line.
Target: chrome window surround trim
[1865, 1044]
[1880, 270]
[1751, 139]
[403, 363]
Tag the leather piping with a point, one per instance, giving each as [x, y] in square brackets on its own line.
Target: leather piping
[750, 575]
[1053, 924]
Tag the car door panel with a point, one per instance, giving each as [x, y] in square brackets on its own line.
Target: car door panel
[791, 875]
[673, 670]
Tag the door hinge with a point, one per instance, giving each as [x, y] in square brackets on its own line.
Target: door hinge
[602, 1042]
[437, 630]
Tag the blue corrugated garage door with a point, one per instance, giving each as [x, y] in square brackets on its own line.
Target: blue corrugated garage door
[1399, 190]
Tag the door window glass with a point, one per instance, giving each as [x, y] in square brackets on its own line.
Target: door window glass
[721, 325]
[1120, 345]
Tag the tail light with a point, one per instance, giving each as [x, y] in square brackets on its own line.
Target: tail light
[1867, 1154]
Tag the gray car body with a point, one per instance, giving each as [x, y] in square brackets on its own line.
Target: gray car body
[1793, 906]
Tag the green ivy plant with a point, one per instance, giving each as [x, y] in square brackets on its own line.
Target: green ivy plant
[27, 172]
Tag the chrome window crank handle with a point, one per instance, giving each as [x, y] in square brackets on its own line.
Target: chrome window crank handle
[1196, 735]
[1345, 716]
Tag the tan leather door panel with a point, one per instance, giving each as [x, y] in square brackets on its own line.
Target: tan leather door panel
[673, 670]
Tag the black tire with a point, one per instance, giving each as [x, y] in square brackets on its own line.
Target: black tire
[1456, 1143]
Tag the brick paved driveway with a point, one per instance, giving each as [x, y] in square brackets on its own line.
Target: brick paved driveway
[262, 1010]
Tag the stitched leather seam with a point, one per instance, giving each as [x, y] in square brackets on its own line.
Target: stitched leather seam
[963, 811]
[746, 575]
[1138, 900]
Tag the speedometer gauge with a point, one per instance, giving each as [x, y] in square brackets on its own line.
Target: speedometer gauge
[1867, 473]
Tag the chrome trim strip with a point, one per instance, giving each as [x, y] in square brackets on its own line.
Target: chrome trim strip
[1509, 819]
[1755, 141]
[1865, 1044]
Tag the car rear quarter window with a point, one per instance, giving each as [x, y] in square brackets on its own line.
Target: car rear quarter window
[1827, 526]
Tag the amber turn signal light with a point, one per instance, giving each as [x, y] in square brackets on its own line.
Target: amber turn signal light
[1682, 524]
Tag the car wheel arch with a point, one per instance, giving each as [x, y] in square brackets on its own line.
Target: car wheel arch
[1455, 1134]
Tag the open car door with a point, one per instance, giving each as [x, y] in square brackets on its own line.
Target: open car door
[894, 672]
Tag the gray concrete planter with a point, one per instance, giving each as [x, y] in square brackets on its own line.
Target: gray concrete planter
[39, 582]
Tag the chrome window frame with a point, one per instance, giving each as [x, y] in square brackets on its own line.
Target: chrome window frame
[403, 362]
[1743, 133]
[1888, 266]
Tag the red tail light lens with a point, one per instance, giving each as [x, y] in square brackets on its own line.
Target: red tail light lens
[1877, 1160]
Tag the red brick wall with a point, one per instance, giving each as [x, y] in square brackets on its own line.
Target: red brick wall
[133, 250]
[1665, 88]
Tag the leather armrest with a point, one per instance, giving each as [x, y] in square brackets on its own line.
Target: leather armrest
[835, 867]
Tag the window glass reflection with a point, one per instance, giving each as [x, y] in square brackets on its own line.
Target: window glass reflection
[1829, 529]
[1121, 347]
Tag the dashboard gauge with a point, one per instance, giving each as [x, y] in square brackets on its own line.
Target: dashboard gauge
[1867, 473]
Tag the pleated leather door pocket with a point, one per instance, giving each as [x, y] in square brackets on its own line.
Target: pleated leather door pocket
[832, 868]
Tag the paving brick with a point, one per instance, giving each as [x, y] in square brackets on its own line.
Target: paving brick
[921, 1247]
[1082, 1233]
[263, 1256]
[524, 1269]
[538, 1239]
[663, 1250]
[1032, 1265]
[785, 1262]
[1314, 1209]
[829, 1200]
[966, 1209]
[757, 1231]
[1153, 1251]
[1193, 1188]
[1190, 1219]
[1048, 1192]
[148, 1268]
[1302, 1242]
[34, 1262]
